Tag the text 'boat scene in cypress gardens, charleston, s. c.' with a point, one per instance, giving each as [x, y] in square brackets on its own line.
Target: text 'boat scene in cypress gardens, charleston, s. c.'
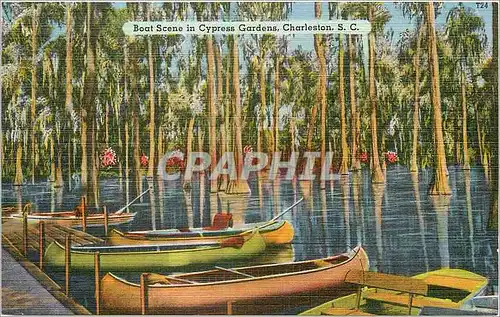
[265, 158]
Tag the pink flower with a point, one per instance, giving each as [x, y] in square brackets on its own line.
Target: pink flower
[391, 157]
[108, 157]
[144, 160]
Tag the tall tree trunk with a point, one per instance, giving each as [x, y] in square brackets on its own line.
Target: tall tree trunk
[463, 97]
[212, 113]
[355, 163]
[189, 147]
[88, 110]
[263, 102]
[314, 110]
[69, 59]
[135, 128]
[52, 177]
[344, 165]
[151, 165]
[416, 103]
[19, 167]
[69, 160]
[478, 131]
[94, 165]
[34, 50]
[221, 105]
[440, 186]
[237, 186]
[125, 93]
[277, 83]
[493, 216]
[160, 151]
[377, 175]
[319, 46]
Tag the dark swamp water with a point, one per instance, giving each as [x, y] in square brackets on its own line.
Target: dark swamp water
[403, 230]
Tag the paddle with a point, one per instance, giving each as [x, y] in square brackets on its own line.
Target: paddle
[287, 210]
[130, 203]
[279, 215]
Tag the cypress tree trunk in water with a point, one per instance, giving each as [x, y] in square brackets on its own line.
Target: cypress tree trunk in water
[493, 217]
[355, 163]
[151, 165]
[34, 49]
[220, 105]
[464, 117]
[276, 104]
[263, 102]
[416, 103]
[88, 109]
[237, 186]
[344, 169]
[52, 177]
[19, 167]
[440, 186]
[69, 59]
[189, 147]
[377, 175]
[212, 113]
[314, 111]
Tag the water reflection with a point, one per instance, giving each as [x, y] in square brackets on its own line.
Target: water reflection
[378, 195]
[441, 205]
[403, 230]
[420, 215]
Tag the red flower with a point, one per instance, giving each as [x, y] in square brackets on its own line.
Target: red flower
[144, 160]
[108, 157]
[363, 157]
[391, 157]
[175, 162]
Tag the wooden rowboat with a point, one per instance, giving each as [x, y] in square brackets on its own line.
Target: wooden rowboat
[274, 233]
[75, 217]
[209, 292]
[398, 295]
[156, 257]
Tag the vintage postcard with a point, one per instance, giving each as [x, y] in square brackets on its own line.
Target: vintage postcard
[264, 158]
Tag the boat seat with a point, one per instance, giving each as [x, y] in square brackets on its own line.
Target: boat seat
[340, 311]
[418, 301]
[452, 282]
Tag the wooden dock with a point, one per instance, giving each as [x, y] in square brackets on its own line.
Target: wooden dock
[29, 275]
[12, 231]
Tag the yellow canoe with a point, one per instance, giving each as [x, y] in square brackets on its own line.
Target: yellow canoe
[274, 233]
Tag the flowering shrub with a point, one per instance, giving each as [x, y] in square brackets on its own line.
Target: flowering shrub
[363, 157]
[391, 157]
[175, 161]
[144, 160]
[108, 157]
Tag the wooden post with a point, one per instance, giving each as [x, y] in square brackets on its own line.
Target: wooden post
[144, 294]
[41, 243]
[67, 265]
[358, 297]
[410, 301]
[105, 213]
[25, 233]
[229, 308]
[84, 215]
[97, 271]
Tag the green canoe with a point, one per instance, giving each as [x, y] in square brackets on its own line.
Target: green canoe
[136, 259]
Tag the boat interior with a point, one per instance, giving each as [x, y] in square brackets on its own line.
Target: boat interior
[396, 295]
[223, 274]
